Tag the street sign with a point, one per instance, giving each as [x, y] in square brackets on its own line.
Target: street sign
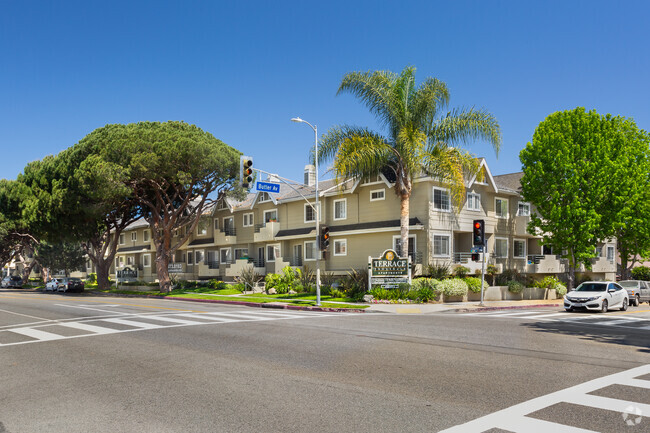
[389, 270]
[268, 187]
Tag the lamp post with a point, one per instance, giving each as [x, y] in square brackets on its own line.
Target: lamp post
[299, 120]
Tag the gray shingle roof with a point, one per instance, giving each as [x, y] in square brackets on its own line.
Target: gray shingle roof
[510, 182]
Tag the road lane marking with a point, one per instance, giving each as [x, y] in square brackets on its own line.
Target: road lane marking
[133, 323]
[99, 330]
[515, 418]
[90, 308]
[37, 334]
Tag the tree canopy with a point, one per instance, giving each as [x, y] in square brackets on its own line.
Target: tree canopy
[587, 175]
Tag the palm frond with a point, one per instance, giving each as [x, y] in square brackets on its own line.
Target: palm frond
[452, 166]
[461, 125]
[430, 97]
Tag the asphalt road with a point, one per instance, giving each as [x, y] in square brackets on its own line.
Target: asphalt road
[89, 364]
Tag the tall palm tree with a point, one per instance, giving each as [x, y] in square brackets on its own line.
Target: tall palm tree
[420, 137]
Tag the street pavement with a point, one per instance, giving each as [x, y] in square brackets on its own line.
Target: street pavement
[75, 363]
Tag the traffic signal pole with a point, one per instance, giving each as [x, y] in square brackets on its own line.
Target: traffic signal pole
[482, 273]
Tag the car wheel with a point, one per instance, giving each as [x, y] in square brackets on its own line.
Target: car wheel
[603, 308]
[625, 304]
[636, 301]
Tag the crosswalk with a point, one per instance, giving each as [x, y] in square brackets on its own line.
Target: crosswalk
[622, 415]
[598, 319]
[120, 322]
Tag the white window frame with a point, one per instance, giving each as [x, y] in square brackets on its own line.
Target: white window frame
[383, 194]
[190, 258]
[146, 235]
[613, 251]
[197, 261]
[345, 209]
[514, 249]
[202, 224]
[277, 252]
[343, 242]
[445, 191]
[122, 239]
[264, 197]
[526, 206]
[314, 249]
[313, 208]
[216, 224]
[496, 240]
[270, 211]
[222, 205]
[134, 236]
[433, 245]
[507, 204]
[232, 219]
[146, 260]
[248, 220]
[412, 241]
[241, 249]
[472, 199]
[373, 180]
[130, 260]
[228, 257]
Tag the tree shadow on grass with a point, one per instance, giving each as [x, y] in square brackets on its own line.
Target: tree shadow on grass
[627, 336]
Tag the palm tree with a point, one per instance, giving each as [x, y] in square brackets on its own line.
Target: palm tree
[420, 137]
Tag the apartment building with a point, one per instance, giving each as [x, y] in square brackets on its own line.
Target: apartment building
[270, 231]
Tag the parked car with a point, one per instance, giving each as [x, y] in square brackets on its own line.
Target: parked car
[53, 285]
[597, 295]
[638, 291]
[15, 282]
[5, 281]
[71, 284]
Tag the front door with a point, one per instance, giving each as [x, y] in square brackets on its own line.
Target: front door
[260, 257]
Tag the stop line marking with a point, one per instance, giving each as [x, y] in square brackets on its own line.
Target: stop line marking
[515, 418]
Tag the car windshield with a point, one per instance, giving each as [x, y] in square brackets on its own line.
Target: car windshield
[592, 287]
[629, 283]
[74, 279]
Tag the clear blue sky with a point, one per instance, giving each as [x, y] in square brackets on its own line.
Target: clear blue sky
[242, 70]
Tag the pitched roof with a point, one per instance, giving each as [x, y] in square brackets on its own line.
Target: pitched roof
[509, 182]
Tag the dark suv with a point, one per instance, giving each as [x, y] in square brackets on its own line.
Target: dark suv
[71, 284]
[16, 282]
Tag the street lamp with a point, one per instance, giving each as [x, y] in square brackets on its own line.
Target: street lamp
[299, 120]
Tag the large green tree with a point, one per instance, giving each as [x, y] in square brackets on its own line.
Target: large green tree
[587, 175]
[421, 136]
[173, 171]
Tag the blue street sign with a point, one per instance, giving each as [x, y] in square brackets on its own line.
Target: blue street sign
[268, 187]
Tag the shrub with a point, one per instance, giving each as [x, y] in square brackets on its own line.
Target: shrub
[248, 278]
[515, 286]
[426, 294]
[327, 279]
[336, 293]
[439, 271]
[492, 271]
[461, 271]
[550, 282]
[453, 287]
[641, 273]
[92, 277]
[473, 284]
[307, 277]
[217, 285]
[508, 275]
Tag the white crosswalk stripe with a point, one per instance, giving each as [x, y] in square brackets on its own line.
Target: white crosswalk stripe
[553, 316]
[94, 326]
[516, 418]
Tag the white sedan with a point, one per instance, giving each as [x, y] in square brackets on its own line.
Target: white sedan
[597, 295]
[53, 285]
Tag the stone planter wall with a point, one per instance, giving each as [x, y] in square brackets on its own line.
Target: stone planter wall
[501, 293]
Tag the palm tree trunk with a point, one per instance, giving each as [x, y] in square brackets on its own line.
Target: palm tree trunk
[404, 225]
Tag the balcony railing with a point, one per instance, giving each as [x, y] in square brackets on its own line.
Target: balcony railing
[212, 264]
[534, 259]
[295, 261]
[229, 231]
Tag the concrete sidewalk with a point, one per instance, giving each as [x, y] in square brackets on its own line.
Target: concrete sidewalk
[462, 306]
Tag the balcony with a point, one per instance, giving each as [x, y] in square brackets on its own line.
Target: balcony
[465, 259]
[544, 264]
[266, 232]
[226, 236]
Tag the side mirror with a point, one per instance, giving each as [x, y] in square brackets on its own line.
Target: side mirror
[611, 290]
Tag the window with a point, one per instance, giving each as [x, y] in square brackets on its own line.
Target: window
[523, 209]
[473, 201]
[122, 239]
[264, 197]
[198, 256]
[441, 199]
[129, 261]
[501, 207]
[248, 219]
[519, 249]
[310, 213]
[610, 254]
[119, 262]
[272, 252]
[146, 260]
[202, 228]
[373, 179]
[229, 226]
[145, 236]
[377, 194]
[270, 215]
[241, 253]
[547, 250]
[226, 255]
[190, 256]
[501, 247]
[310, 250]
[441, 245]
[397, 240]
[341, 247]
[216, 224]
[134, 236]
[340, 211]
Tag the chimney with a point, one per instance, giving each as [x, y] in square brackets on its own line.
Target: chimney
[310, 175]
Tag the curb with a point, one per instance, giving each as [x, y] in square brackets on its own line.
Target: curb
[242, 303]
[509, 307]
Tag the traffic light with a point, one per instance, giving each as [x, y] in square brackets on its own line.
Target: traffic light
[479, 232]
[245, 171]
[324, 238]
[475, 257]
